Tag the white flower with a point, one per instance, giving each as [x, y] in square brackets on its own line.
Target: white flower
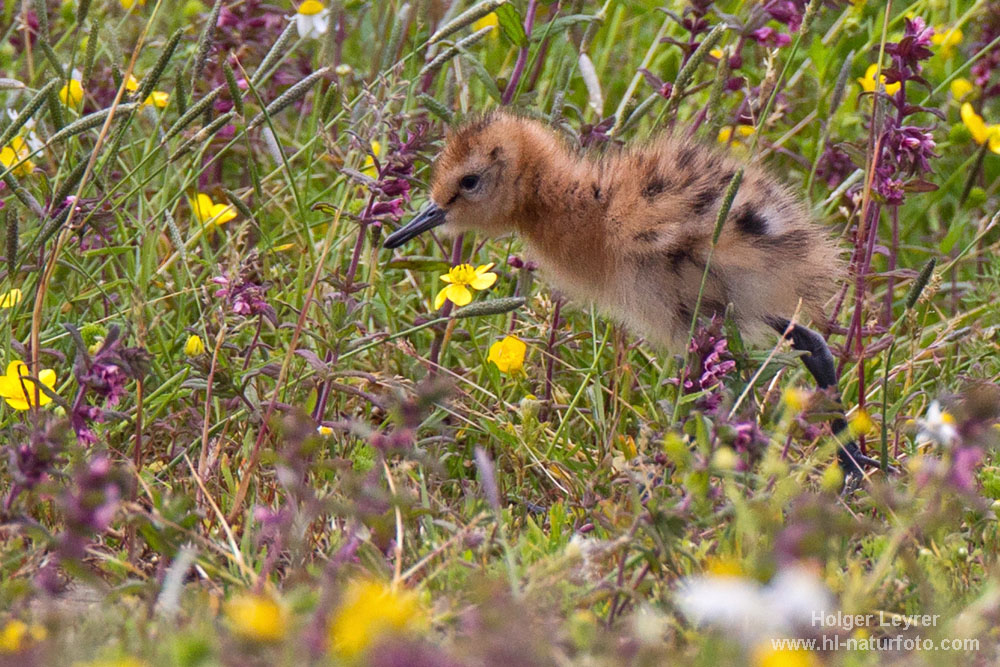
[727, 602]
[27, 132]
[938, 426]
[649, 625]
[797, 593]
[754, 611]
[312, 19]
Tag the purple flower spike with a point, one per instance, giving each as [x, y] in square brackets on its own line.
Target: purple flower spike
[768, 36]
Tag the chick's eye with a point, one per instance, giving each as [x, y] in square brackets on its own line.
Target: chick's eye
[469, 182]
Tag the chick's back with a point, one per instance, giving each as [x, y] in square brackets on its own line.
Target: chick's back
[663, 202]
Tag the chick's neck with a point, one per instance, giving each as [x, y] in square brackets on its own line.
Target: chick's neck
[562, 209]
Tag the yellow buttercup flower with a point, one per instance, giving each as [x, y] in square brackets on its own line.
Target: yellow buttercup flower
[370, 611]
[71, 94]
[980, 131]
[796, 399]
[257, 618]
[12, 636]
[324, 430]
[18, 635]
[369, 168]
[832, 479]
[947, 39]
[765, 655]
[194, 346]
[16, 152]
[11, 298]
[961, 88]
[19, 390]
[508, 354]
[157, 98]
[129, 4]
[205, 210]
[461, 278]
[126, 661]
[488, 21]
[868, 81]
[726, 133]
[724, 566]
[717, 53]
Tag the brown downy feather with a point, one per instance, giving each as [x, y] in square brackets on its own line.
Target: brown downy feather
[631, 230]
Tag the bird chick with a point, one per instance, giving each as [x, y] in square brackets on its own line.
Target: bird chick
[630, 230]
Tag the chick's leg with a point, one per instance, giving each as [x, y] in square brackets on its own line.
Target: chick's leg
[819, 362]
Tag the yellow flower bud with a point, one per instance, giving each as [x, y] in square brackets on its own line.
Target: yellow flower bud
[257, 618]
[194, 346]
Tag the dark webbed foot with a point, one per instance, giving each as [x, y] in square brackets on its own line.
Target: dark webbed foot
[851, 461]
[819, 362]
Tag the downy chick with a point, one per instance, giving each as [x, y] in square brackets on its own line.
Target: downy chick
[631, 230]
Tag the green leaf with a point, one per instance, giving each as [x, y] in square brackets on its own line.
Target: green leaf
[562, 24]
[110, 250]
[511, 24]
[420, 264]
[949, 241]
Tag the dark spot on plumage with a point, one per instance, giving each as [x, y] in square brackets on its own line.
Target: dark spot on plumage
[750, 222]
[496, 152]
[653, 188]
[711, 307]
[686, 157]
[596, 190]
[725, 178]
[675, 258]
[689, 179]
[654, 261]
[647, 236]
[704, 200]
[452, 199]
[706, 309]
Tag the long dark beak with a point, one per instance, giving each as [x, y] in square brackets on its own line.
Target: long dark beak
[429, 218]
